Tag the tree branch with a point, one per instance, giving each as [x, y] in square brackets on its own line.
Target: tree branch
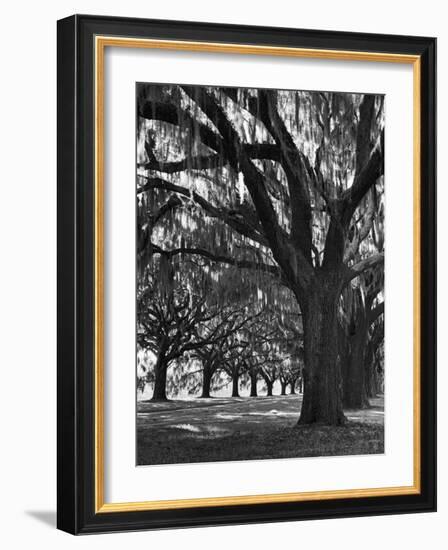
[172, 203]
[361, 234]
[268, 151]
[376, 312]
[284, 254]
[369, 167]
[232, 218]
[242, 264]
[364, 265]
[200, 162]
[363, 141]
[372, 170]
[295, 169]
[166, 112]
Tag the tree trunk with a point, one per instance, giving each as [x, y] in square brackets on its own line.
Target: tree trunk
[160, 371]
[283, 387]
[235, 388]
[373, 387]
[355, 396]
[269, 386]
[206, 382]
[322, 399]
[293, 387]
[253, 385]
[370, 381]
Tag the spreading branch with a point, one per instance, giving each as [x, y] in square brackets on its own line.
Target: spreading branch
[232, 218]
[242, 264]
[364, 265]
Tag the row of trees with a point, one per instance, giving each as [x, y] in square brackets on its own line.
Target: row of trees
[207, 345]
[208, 330]
[260, 240]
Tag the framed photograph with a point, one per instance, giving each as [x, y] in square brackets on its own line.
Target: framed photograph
[246, 274]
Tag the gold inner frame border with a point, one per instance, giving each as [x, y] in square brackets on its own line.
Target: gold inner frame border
[100, 44]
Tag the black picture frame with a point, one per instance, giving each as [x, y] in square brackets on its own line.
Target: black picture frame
[76, 511]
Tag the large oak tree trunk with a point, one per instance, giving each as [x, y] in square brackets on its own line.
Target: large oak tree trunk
[235, 385]
[160, 371]
[355, 395]
[283, 388]
[206, 382]
[322, 399]
[269, 386]
[370, 382]
[253, 385]
[293, 387]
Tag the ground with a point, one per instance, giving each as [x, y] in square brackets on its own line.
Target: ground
[218, 429]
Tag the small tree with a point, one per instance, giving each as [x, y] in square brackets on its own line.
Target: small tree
[167, 317]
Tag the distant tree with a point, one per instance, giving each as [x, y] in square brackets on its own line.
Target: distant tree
[270, 373]
[289, 373]
[223, 347]
[167, 316]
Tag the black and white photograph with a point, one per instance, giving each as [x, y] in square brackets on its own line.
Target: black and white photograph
[260, 273]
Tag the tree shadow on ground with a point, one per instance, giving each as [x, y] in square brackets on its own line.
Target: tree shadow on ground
[251, 429]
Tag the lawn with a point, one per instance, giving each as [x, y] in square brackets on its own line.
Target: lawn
[220, 429]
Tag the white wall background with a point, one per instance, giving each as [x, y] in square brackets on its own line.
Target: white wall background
[28, 272]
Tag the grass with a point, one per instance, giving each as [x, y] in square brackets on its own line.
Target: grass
[248, 429]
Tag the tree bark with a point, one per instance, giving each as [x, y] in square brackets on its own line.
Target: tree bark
[283, 388]
[160, 371]
[206, 382]
[370, 382]
[322, 399]
[355, 395]
[235, 385]
[293, 387]
[269, 386]
[253, 385]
